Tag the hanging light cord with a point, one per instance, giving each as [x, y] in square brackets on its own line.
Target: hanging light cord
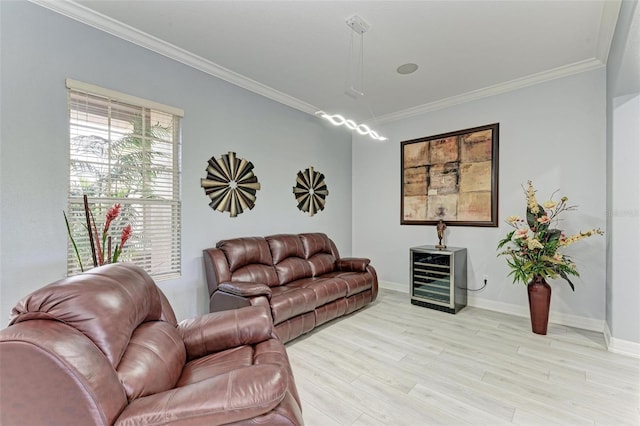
[362, 64]
[354, 90]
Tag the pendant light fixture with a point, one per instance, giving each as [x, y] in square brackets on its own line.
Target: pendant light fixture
[339, 120]
[355, 81]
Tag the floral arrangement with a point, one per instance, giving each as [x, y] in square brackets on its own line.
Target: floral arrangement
[534, 247]
[101, 244]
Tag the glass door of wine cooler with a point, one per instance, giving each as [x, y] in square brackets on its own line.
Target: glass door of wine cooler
[438, 278]
[432, 277]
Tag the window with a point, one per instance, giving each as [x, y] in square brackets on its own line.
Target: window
[125, 150]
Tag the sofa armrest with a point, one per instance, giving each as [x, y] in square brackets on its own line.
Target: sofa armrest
[227, 398]
[218, 331]
[216, 268]
[353, 264]
[245, 289]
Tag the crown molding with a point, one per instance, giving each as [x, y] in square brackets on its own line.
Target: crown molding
[608, 21]
[519, 83]
[104, 23]
[111, 26]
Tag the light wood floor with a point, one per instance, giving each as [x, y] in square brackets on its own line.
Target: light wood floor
[393, 363]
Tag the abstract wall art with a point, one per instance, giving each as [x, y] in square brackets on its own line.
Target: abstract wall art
[451, 177]
[230, 184]
[310, 191]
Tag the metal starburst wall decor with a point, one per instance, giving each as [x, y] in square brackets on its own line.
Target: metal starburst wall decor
[310, 191]
[230, 184]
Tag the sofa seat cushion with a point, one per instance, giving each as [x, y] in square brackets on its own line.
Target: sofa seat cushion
[356, 282]
[326, 289]
[291, 300]
[237, 396]
[216, 364]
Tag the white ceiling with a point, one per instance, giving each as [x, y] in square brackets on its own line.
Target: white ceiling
[297, 52]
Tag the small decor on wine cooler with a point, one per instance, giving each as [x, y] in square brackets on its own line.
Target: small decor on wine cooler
[440, 228]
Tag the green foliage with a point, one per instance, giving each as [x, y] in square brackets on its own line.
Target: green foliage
[122, 168]
[73, 242]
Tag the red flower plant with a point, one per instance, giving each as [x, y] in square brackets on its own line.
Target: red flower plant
[113, 213]
[126, 234]
[101, 252]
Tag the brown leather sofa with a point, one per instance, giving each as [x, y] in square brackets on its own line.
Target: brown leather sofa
[300, 277]
[104, 348]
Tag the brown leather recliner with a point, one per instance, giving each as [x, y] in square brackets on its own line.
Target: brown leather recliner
[299, 277]
[104, 348]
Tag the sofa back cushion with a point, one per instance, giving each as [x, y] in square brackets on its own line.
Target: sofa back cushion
[153, 361]
[106, 304]
[249, 260]
[168, 315]
[320, 252]
[288, 258]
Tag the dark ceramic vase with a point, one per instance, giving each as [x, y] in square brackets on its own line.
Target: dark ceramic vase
[539, 302]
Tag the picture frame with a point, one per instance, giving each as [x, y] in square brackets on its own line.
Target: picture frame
[451, 177]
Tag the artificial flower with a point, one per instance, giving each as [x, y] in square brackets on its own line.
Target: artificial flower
[532, 203]
[513, 219]
[544, 219]
[521, 233]
[532, 247]
[532, 244]
[580, 236]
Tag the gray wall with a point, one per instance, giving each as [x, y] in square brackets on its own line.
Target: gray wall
[40, 49]
[552, 133]
[623, 178]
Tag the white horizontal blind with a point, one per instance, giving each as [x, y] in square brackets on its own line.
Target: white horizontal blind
[126, 152]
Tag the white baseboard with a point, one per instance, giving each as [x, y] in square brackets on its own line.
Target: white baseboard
[517, 310]
[388, 285]
[620, 346]
[523, 311]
